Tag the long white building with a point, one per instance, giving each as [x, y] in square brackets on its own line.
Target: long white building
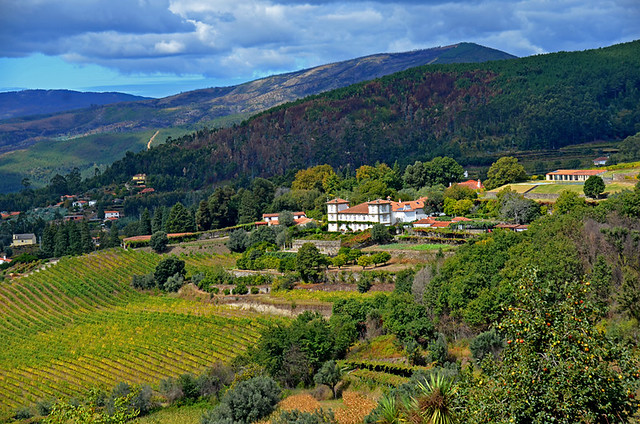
[341, 217]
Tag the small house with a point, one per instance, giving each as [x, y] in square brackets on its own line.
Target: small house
[23, 240]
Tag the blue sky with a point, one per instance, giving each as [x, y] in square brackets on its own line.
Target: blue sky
[162, 47]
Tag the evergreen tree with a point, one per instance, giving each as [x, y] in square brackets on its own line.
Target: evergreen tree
[61, 241]
[85, 238]
[49, 240]
[223, 208]
[145, 222]
[75, 244]
[156, 224]
[594, 187]
[114, 237]
[179, 220]
[248, 208]
[203, 216]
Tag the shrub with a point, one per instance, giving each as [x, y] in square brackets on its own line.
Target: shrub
[173, 283]
[255, 290]
[380, 234]
[238, 241]
[247, 402]
[44, 406]
[189, 386]
[241, 288]
[23, 414]
[319, 416]
[159, 241]
[143, 282]
[486, 343]
[167, 268]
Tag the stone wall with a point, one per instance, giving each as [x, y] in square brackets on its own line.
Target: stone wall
[326, 247]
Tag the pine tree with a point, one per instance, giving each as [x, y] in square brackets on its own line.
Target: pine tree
[75, 244]
[85, 238]
[179, 220]
[61, 242]
[145, 222]
[203, 216]
[157, 223]
[49, 240]
[114, 237]
[248, 209]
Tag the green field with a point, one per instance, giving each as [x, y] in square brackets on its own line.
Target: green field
[79, 324]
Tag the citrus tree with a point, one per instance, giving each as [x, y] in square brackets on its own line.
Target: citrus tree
[556, 366]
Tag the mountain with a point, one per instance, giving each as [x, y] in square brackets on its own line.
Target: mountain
[207, 104]
[472, 112]
[16, 104]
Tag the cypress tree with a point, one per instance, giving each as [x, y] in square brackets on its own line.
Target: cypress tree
[179, 220]
[156, 224]
[203, 216]
[75, 243]
[61, 246]
[145, 222]
[49, 240]
[85, 238]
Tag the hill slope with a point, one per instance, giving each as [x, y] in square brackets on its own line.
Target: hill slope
[78, 324]
[473, 112]
[15, 104]
[207, 104]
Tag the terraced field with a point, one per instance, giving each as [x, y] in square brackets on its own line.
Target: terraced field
[79, 324]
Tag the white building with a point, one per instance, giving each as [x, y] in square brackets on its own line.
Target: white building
[111, 215]
[341, 217]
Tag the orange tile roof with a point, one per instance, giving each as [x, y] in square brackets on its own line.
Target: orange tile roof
[441, 224]
[472, 184]
[460, 218]
[337, 200]
[409, 205]
[577, 172]
[379, 202]
[362, 208]
[428, 220]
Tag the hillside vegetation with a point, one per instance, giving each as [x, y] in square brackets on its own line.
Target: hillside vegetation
[78, 324]
[472, 112]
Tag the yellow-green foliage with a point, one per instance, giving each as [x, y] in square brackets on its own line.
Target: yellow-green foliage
[79, 324]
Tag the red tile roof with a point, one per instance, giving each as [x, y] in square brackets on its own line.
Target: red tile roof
[440, 224]
[472, 184]
[460, 218]
[424, 221]
[409, 205]
[577, 172]
[362, 208]
[338, 200]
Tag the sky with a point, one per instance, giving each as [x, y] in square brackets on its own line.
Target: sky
[157, 48]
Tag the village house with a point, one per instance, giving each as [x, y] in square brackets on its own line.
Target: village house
[139, 179]
[341, 217]
[79, 204]
[573, 174]
[601, 161]
[472, 184]
[111, 215]
[23, 240]
[299, 218]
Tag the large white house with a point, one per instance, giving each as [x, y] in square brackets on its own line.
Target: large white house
[341, 217]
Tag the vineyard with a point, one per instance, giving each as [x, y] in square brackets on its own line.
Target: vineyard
[79, 324]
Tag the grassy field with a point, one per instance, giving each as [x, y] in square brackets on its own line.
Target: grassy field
[79, 324]
[176, 415]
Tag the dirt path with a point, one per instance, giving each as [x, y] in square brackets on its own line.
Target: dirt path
[151, 139]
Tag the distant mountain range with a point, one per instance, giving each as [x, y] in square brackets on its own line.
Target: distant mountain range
[211, 103]
[16, 104]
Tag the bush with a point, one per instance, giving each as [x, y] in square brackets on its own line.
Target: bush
[173, 283]
[247, 402]
[159, 241]
[167, 268]
[241, 288]
[23, 414]
[189, 386]
[486, 343]
[255, 290]
[364, 283]
[44, 407]
[143, 282]
[380, 234]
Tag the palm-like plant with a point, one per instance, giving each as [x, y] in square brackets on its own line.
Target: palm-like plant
[390, 411]
[434, 402]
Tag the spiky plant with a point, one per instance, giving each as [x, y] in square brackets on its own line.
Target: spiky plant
[390, 411]
[434, 402]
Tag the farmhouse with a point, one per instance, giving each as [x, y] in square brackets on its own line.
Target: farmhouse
[573, 174]
[23, 239]
[111, 215]
[472, 184]
[341, 217]
[299, 218]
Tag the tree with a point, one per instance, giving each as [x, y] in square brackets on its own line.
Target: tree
[285, 218]
[593, 187]
[145, 222]
[381, 257]
[85, 238]
[312, 178]
[380, 234]
[567, 202]
[203, 216]
[223, 209]
[556, 366]
[516, 208]
[504, 171]
[329, 374]
[159, 241]
[440, 170]
[157, 223]
[238, 240]
[364, 261]
[49, 240]
[179, 220]
[168, 268]
[309, 262]
[248, 208]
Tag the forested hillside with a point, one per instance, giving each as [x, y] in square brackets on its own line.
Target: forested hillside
[472, 112]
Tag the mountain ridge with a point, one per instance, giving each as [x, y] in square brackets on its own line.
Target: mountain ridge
[210, 103]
